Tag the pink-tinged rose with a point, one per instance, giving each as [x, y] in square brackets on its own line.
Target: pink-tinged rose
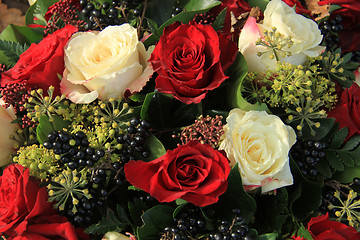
[41, 63]
[347, 110]
[104, 64]
[190, 60]
[303, 32]
[7, 129]
[194, 172]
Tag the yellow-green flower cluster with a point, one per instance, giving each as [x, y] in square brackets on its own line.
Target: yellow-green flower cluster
[41, 162]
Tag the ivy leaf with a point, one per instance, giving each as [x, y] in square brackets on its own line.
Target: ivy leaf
[155, 220]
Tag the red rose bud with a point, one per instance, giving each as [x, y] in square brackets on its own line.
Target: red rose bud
[194, 172]
[347, 110]
[190, 60]
[41, 63]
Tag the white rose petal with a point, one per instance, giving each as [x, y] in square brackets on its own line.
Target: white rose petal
[7, 115]
[303, 32]
[260, 144]
[104, 64]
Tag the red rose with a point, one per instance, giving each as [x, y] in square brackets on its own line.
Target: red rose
[194, 172]
[237, 7]
[25, 212]
[347, 110]
[321, 228]
[41, 63]
[190, 60]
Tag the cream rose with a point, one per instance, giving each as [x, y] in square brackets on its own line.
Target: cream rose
[260, 144]
[116, 236]
[303, 32]
[7, 129]
[104, 64]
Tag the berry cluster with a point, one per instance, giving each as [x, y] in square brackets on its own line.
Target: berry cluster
[106, 14]
[307, 155]
[133, 141]
[233, 230]
[190, 223]
[330, 30]
[73, 149]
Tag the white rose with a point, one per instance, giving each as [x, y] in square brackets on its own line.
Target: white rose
[104, 64]
[115, 236]
[7, 129]
[260, 144]
[303, 32]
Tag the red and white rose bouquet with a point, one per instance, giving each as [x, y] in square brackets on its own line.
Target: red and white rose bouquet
[181, 120]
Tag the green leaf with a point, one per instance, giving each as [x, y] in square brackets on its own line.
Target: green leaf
[157, 149]
[237, 73]
[326, 125]
[352, 143]
[304, 233]
[324, 168]
[155, 220]
[180, 201]
[346, 158]
[36, 12]
[164, 111]
[156, 109]
[192, 7]
[108, 223]
[159, 11]
[305, 196]
[259, 3]
[339, 138]
[334, 160]
[235, 197]
[218, 24]
[195, 5]
[135, 213]
[21, 34]
[45, 126]
[268, 236]
[12, 51]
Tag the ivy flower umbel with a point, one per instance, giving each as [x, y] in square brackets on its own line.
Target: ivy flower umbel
[349, 209]
[113, 112]
[39, 105]
[41, 162]
[276, 44]
[68, 186]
